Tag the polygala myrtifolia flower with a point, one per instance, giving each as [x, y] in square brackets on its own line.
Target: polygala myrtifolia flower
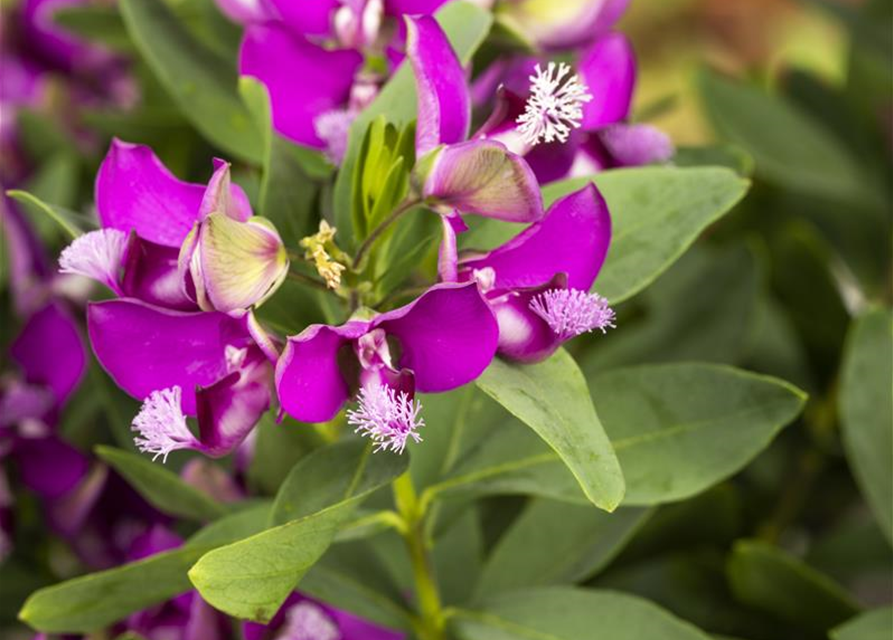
[440, 341]
[154, 340]
[539, 282]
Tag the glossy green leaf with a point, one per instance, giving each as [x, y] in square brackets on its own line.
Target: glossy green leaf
[253, 577]
[788, 146]
[466, 25]
[871, 625]
[565, 613]
[201, 82]
[551, 398]
[656, 214]
[161, 487]
[557, 543]
[867, 411]
[766, 578]
[84, 604]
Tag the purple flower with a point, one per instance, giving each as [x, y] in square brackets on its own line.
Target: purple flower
[561, 25]
[310, 56]
[164, 245]
[440, 341]
[303, 618]
[538, 283]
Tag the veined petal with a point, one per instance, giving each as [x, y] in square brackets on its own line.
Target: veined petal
[309, 382]
[447, 336]
[220, 196]
[51, 352]
[136, 192]
[444, 102]
[608, 68]
[146, 348]
[485, 178]
[305, 81]
[242, 263]
[573, 238]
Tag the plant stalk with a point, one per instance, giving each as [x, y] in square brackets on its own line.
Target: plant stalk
[380, 229]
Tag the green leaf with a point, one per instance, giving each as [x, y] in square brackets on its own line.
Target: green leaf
[551, 398]
[867, 411]
[277, 449]
[557, 543]
[678, 429]
[161, 487]
[201, 82]
[656, 214]
[769, 579]
[466, 25]
[253, 577]
[291, 172]
[871, 625]
[789, 148]
[73, 224]
[96, 23]
[564, 613]
[93, 601]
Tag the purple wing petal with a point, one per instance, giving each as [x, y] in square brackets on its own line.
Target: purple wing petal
[485, 178]
[635, 145]
[444, 102]
[313, 18]
[573, 238]
[229, 409]
[136, 192]
[412, 7]
[309, 382]
[608, 69]
[51, 352]
[146, 348]
[150, 275]
[50, 466]
[565, 24]
[304, 80]
[523, 335]
[448, 336]
[246, 11]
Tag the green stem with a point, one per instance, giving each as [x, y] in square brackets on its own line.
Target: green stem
[431, 618]
[307, 280]
[380, 229]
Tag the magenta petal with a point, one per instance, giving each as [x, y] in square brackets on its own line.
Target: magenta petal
[309, 381]
[635, 145]
[485, 178]
[608, 69]
[49, 466]
[444, 102]
[220, 195]
[246, 11]
[136, 192]
[307, 17]
[304, 80]
[523, 335]
[412, 7]
[573, 238]
[150, 274]
[51, 352]
[229, 409]
[146, 348]
[448, 336]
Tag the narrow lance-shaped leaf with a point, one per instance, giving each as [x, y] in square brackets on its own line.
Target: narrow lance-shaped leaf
[253, 577]
[161, 487]
[552, 399]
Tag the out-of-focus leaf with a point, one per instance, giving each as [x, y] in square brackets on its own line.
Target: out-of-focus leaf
[656, 214]
[84, 604]
[789, 148]
[551, 398]
[161, 487]
[557, 543]
[253, 577]
[277, 449]
[458, 555]
[466, 25]
[721, 155]
[871, 625]
[766, 578]
[564, 613]
[867, 411]
[201, 82]
[99, 23]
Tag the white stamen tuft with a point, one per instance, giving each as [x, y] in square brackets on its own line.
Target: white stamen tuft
[387, 417]
[570, 312]
[333, 127]
[97, 255]
[555, 105]
[162, 424]
[308, 621]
